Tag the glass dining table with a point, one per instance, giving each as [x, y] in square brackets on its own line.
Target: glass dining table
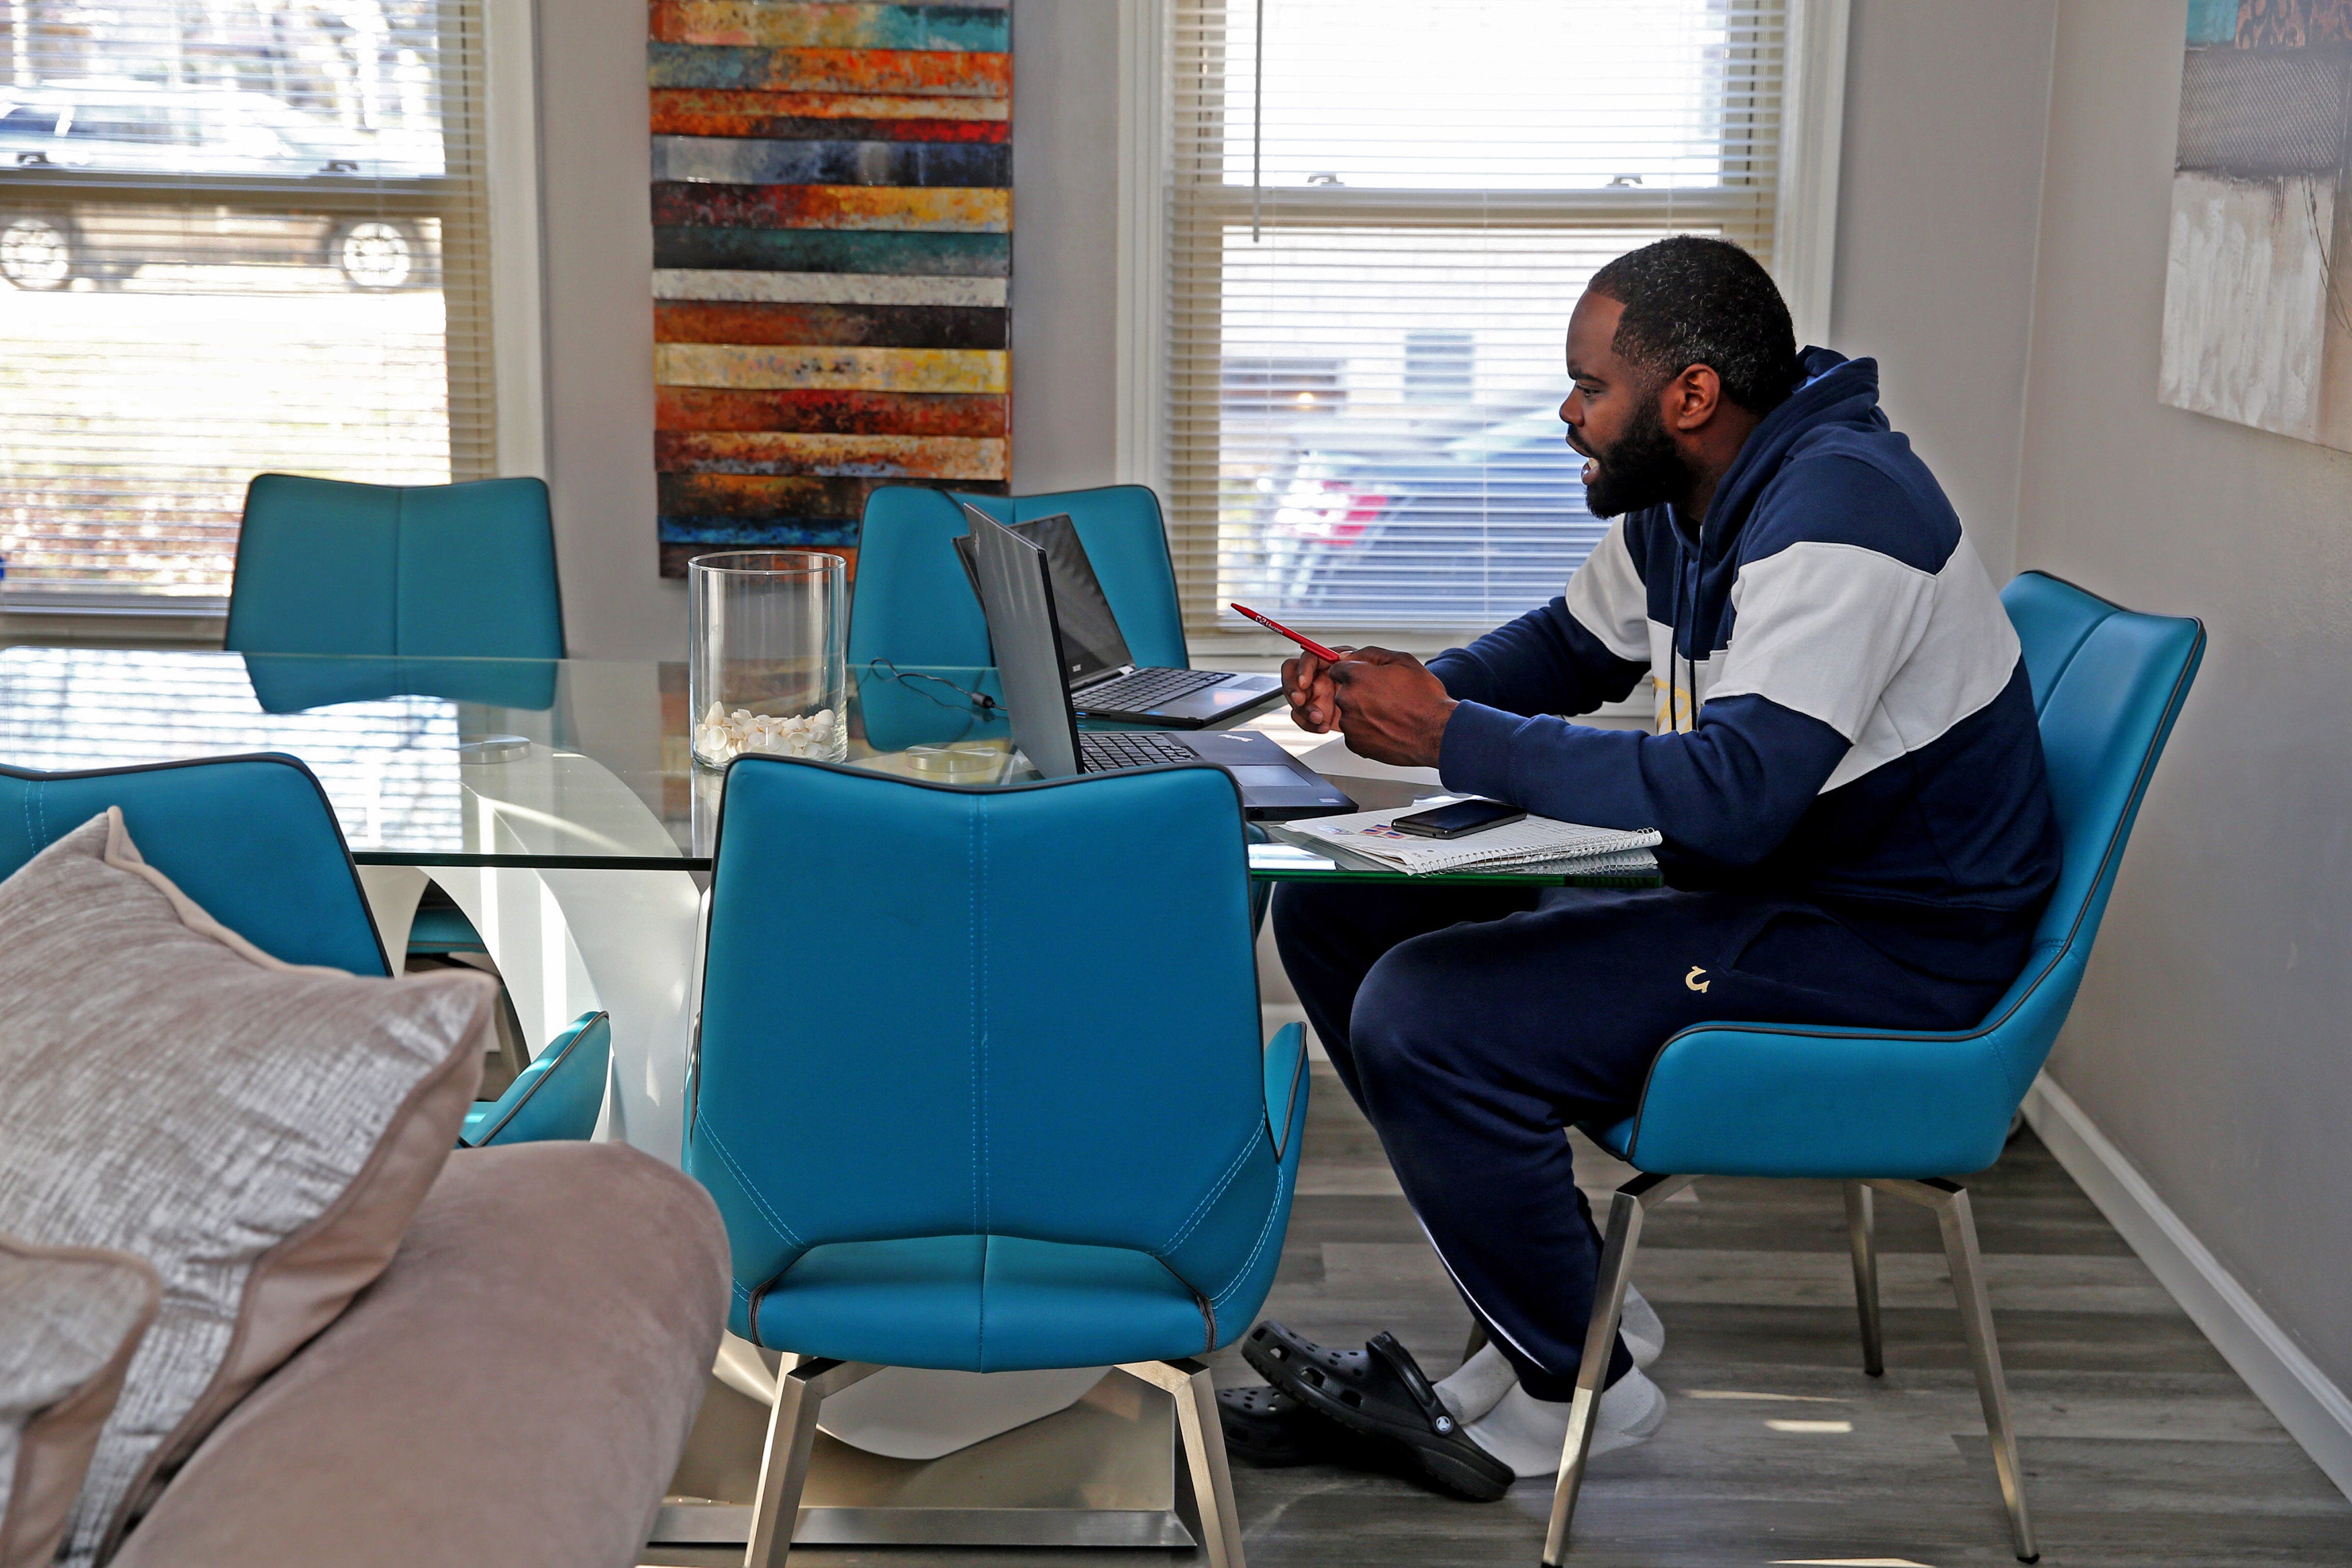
[558, 803]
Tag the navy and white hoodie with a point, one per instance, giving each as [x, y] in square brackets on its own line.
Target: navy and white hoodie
[1852, 726]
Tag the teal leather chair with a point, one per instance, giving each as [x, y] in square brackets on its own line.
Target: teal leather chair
[558, 1096]
[412, 571]
[1903, 1113]
[913, 605]
[944, 1131]
[325, 566]
[253, 841]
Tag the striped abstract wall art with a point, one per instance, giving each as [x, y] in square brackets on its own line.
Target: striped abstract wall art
[833, 217]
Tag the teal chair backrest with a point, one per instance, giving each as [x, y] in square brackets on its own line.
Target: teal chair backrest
[558, 1097]
[1738, 1099]
[2109, 685]
[325, 566]
[913, 605]
[914, 1022]
[251, 839]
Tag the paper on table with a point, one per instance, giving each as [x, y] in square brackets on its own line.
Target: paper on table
[1288, 857]
[1334, 758]
[1533, 840]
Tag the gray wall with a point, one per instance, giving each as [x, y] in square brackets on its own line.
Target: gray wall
[1939, 192]
[596, 170]
[1064, 235]
[2210, 1041]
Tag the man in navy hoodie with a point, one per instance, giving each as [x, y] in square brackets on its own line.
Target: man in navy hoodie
[1847, 774]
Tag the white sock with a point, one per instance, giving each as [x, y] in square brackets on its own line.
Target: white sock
[1638, 1326]
[1528, 1434]
[1478, 1383]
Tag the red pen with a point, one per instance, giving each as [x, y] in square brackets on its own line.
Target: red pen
[1271, 624]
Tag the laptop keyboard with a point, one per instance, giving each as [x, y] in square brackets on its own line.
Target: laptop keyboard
[1144, 690]
[1100, 750]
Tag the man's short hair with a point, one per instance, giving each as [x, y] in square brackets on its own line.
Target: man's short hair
[1689, 302]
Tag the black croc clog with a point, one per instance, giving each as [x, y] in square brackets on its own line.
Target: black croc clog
[1269, 1428]
[1378, 1392]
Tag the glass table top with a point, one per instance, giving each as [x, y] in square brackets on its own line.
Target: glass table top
[522, 762]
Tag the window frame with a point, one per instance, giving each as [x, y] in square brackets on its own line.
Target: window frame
[1802, 221]
[513, 337]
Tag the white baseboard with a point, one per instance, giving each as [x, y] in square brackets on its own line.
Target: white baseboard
[2307, 1403]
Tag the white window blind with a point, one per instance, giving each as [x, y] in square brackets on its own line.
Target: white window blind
[236, 237]
[1381, 214]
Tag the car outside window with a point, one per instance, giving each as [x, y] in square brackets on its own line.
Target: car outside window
[259, 244]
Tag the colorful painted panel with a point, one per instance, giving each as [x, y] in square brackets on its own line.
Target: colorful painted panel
[832, 237]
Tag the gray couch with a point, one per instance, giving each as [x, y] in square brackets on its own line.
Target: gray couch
[515, 1389]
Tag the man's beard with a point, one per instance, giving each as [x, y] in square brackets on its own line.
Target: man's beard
[1640, 469]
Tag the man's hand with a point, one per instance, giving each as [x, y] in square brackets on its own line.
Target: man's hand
[1307, 682]
[1391, 708]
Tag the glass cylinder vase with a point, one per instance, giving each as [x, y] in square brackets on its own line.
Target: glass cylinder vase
[768, 670]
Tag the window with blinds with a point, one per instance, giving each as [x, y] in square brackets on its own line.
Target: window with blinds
[1382, 213]
[236, 237]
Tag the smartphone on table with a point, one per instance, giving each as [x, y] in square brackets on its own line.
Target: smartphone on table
[1459, 820]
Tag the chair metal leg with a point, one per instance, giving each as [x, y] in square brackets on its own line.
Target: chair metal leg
[1627, 1207]
[1958, 1221]
[1861, 1234]
[783, 1468]
[1204, 1438]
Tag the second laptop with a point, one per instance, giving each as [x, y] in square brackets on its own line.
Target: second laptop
[1104, 680]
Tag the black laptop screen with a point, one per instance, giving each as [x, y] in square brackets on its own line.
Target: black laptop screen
[1091, 641]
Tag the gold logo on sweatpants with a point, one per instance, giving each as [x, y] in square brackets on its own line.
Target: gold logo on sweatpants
[1692, 981]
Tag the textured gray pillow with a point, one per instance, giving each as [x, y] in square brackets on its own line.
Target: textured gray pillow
[70, 1319]
[261, 1133]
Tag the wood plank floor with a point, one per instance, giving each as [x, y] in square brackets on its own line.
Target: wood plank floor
[2140, 1446]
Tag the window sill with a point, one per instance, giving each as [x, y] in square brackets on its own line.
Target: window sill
[115, 620]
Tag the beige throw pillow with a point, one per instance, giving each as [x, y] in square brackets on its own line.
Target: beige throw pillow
[260, 1132]
[70, 1319]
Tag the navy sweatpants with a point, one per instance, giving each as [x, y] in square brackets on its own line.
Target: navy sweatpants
[1472, 1025]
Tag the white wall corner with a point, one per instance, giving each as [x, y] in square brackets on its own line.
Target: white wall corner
[518, 319]
[1812, 134]
[1142, 369]
[2315, 1411]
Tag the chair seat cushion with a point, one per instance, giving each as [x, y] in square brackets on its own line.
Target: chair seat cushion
[441, 928]
[1616, 1138]
[981, 1303]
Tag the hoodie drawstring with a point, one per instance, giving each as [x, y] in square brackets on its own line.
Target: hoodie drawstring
[1673, 640]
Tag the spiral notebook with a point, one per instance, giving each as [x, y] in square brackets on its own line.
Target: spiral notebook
[1532, 840]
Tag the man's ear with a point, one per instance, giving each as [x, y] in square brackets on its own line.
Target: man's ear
[1690, 399]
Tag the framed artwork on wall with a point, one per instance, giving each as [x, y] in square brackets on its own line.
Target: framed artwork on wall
[2258, 293]
[832, 216]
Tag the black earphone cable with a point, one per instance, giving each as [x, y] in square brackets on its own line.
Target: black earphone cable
[988, 705]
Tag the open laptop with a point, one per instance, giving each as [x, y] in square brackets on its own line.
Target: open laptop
[1017, 594]
[1103, 678]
